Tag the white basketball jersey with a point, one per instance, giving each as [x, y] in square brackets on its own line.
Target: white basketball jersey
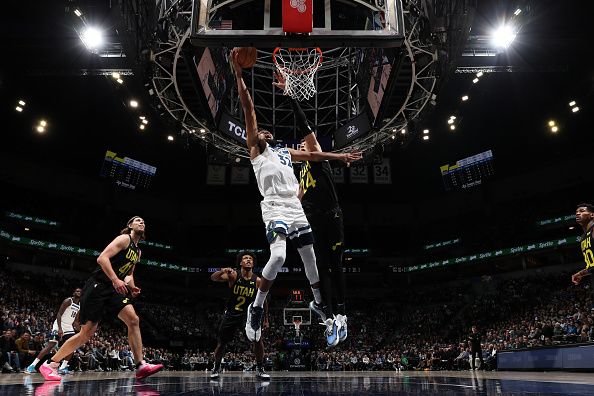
[68, 317]
[274, 173]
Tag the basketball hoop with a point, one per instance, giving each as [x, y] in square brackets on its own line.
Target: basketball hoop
[297, 324]
[298, 66]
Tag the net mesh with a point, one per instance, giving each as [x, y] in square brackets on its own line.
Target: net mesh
[297, 324]
[298, 66]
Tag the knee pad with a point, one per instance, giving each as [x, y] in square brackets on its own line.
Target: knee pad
[278, 254]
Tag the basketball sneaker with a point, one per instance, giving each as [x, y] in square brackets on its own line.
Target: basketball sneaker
[343, 332]
[64, 371]
[331, 332]
[146, 369]
[30, 369]
[262, 374]
[253, 323]
[50, 371]
[319, 310]
[214, 375]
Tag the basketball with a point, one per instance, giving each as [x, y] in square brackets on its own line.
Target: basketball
[246, 56]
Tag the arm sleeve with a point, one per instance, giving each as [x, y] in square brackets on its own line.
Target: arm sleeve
[303, 128]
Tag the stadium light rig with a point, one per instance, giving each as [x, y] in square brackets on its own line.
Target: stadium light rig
[503, 36]
[92, 38]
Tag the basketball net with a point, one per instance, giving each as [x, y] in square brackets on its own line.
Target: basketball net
[298, 66]
[297, 324]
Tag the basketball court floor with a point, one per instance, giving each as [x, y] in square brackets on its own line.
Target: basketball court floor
[306, 383]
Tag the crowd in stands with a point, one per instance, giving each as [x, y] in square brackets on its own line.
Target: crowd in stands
[419, 329]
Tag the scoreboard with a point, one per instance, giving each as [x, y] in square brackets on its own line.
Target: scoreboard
[468, 172]
[127, 172]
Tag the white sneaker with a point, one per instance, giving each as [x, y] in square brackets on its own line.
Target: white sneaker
[253, 323]
[332, 330]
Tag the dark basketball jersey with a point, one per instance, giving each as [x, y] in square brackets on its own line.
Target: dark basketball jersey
[243, 293]
[586, 243]
[122, 263]
[315, 180]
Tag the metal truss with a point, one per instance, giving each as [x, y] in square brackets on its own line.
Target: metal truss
[339, 96]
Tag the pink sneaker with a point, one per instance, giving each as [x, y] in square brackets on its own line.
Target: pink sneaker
[50, 371]
[148, 369]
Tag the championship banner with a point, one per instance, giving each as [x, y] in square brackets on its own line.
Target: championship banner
[216, 175]
[240, 175]
[297, 16]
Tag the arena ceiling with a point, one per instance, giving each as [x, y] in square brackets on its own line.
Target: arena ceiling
[88, 112]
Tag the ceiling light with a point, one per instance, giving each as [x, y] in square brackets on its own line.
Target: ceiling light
[22, 102]
[170, 138]
[120, 81]
[551, 123]
[452, 127]
[92, 38]
[479, 74]
[425, 131]
[503, 36]
[451, 121]
[202, 130]
[77, 13]
[475, 80]
[133, 103]
[403, 131]
[40, 129]
[464, 98]
[145, 122]
[555, 129]
[394, 137]
[26, 228]
[142, 117]
[43, 123]
[575, 109]
[453, 117]
[426, 137]
[517, 12]
[115, 75]
[141, 126]
[18, 108]
[571, 104]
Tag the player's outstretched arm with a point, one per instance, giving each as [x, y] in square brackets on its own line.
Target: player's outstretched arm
[251, 125]
[317, 156]
[303, 129]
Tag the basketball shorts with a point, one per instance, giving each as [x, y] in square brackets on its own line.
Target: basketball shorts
[229, 325]
[286, 216]
[99, 299]
[56, 339]
[328, 227]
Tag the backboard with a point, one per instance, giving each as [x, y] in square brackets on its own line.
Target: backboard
[259, 23]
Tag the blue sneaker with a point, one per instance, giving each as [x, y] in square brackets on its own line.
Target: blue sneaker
[30, 370]
[332, 331]
[64, 371]
[343, 332]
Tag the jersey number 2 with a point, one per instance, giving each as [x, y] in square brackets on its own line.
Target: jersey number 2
[240, 302]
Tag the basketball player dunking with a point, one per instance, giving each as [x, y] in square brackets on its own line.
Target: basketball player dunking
[584, 216]
[242, 288]
[110, 289]
[63, 329]
[320, 203]
[282, 212]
